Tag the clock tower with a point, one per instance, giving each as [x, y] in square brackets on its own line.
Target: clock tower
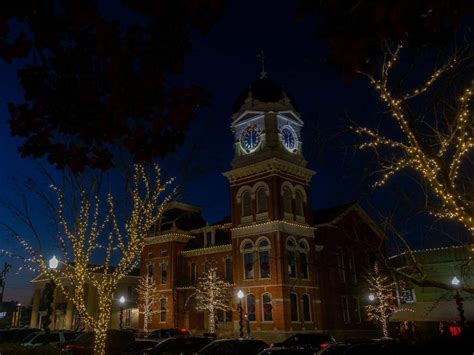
[273, 240]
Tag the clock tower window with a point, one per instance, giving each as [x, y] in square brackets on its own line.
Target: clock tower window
[287, 199]
[246, 204]
[299, 203]
[262, 200]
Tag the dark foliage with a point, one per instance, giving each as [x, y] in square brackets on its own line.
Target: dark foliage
[358, 31]
[97, 80]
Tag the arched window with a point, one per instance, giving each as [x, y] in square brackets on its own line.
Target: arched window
[304, 250]
[246, 204]
[287, 199]
[263, 247]
[251, 308]
[163, 309]
[193, 273]
[291, 256]
[294, 307]
[306, 308]
[262, 205]
[267, 307]
[299, 203]
[247, 250]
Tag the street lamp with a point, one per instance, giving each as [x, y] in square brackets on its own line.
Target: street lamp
[459, 302]
[371, 297]
[18, 315]
[240, 295]
[122, 302]
[53, 262]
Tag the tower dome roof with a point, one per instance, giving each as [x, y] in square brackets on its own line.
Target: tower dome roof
[263, 90]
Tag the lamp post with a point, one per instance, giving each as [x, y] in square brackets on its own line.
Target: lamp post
[53, 263]
[18, 315]
[122, 302]
[371, 297]
[459, 303]
[240, 295]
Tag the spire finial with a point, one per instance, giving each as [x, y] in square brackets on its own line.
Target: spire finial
[261, 56]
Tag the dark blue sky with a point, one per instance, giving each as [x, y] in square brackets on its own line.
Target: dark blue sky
[224, 62]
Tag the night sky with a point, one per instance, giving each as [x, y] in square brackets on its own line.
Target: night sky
[224, 62]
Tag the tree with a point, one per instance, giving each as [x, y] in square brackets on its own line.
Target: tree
[91, 228]
[147, 299]
[212, 294]
[429, 127]
[383, 300]
[97, 79]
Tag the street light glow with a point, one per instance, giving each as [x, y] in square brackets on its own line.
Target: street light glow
[53, 262]
[240, 294]
[455, 281]
[122, 299]
[371, 297]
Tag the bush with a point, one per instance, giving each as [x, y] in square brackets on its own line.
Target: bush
[16, 349]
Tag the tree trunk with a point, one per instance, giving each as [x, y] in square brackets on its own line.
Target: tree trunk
[384, 328]
[100, 336]
[103, 320]
[145, 322]
[212, 320]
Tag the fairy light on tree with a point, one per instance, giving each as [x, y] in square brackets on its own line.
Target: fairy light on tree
[382, 300]
[212, 295]
[436, 157]
[148, 298]
[90, 226]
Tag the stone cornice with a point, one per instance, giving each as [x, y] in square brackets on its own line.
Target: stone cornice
[168, 237]
[273, 165]
[271, 226]
[209, 250]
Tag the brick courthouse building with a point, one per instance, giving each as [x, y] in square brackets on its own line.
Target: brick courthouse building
[274, 247]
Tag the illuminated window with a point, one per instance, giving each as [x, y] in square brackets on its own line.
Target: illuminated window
[294, 307]
[267, 307]
[262, 200]
[306, 308]
[246, 204]
[251, 308]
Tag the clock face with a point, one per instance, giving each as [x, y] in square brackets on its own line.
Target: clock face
[250, 138]
[288, 138]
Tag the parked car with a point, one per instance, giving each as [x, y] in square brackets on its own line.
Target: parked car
[281, 351]
[234, 346]
[307, 342]
[183, 345]
[374, 346]
[55, 338]
[15, 335]
[117, 341]
[161, 334]
[139, 346]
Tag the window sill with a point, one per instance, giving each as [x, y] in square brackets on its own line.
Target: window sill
[288, 216]
[266, 322]
[261, 216]
[265, 278]
[246, 219]
[300, 219]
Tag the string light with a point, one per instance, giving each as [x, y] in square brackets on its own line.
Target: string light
[81, 236]
[383, 302]
[212, 294]
[439, 169]
[148, 297]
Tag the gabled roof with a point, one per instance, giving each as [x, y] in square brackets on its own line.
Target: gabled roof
[328, 215]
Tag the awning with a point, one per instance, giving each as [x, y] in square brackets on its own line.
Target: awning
[433, 312]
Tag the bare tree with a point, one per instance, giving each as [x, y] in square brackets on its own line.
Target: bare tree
[90, 227]
[147, 299]
[212, 294]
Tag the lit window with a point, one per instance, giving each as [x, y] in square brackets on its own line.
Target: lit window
[294, 307]
[246, 204]
[251, 308]
[287, 200]
[262, 200]
[306, 308]
[267, 307]
[299, 203]
[248, 261]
